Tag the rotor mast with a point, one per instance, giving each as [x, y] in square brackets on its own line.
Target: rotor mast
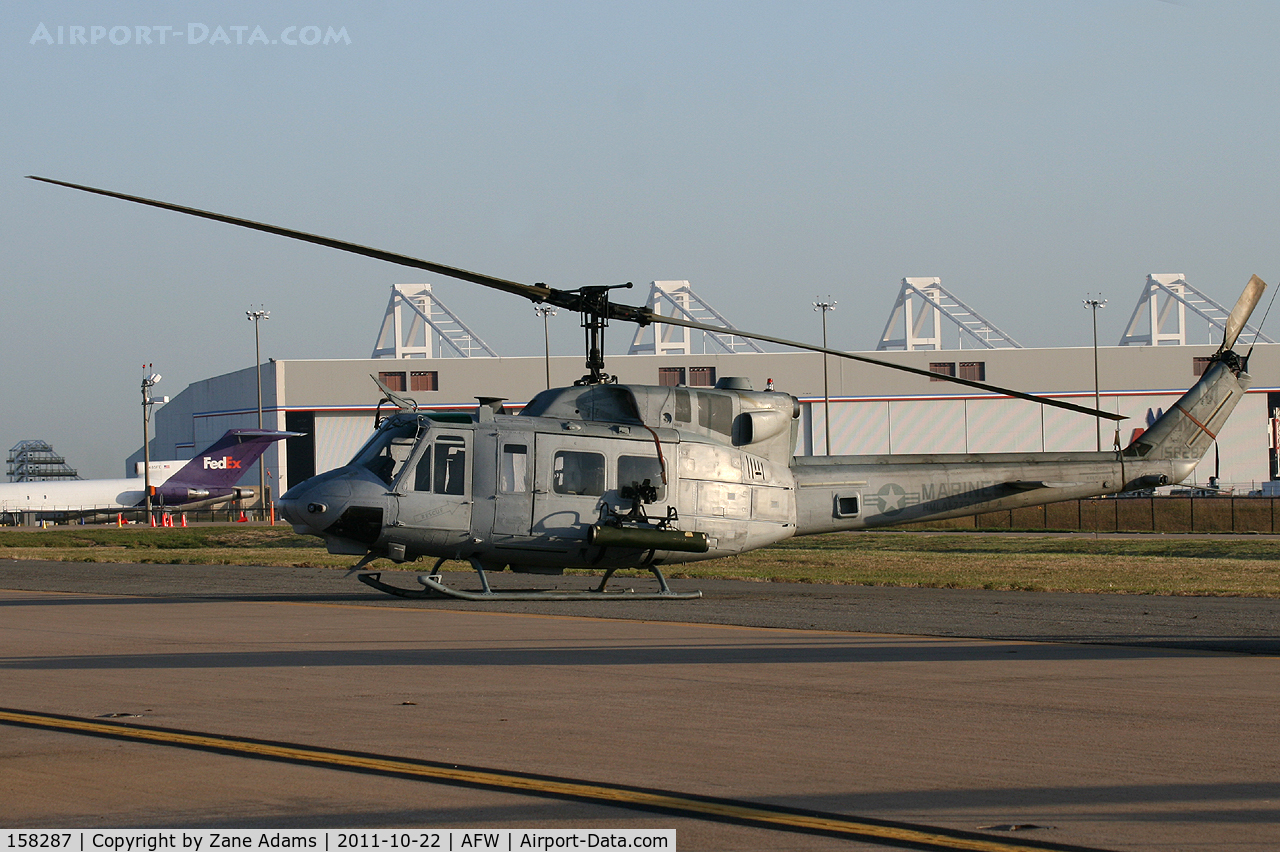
[593, 306]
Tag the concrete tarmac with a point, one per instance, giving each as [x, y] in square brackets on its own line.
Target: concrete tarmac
[1136, 723]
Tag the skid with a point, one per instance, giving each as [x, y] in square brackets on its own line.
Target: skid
[432, 588]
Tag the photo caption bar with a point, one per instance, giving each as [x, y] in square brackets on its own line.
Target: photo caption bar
[335, 839]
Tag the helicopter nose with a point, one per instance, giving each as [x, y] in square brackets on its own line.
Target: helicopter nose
[312, 506]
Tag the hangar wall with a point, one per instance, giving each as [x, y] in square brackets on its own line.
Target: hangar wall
[864, 427]
[873, 410]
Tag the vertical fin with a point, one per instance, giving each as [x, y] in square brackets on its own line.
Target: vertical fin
[1191, 425]
[228, 459]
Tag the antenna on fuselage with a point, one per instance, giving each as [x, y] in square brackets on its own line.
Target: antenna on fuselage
[404, 403]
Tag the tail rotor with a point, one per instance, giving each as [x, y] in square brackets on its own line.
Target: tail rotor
[1240, 313]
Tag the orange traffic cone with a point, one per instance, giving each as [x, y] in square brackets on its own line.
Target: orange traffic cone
[184, 519]
[243, 519]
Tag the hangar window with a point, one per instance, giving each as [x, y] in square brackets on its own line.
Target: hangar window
[1199, 365]
[670, 376]
[974, 371]
[942, 368]
[702, 377]
[394, 381]
[424, 380]
[575, 472]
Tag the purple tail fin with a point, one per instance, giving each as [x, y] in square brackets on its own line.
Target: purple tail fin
[228, 459]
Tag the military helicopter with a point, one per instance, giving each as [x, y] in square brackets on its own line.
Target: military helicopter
[607, 476]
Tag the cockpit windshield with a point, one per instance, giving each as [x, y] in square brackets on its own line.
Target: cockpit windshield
[390, 448]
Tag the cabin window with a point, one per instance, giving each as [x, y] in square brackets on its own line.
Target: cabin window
[424, 380]
[715, 412]
[576, 472]
[684, 410]
[846, 505]
[514, 469]
[974, 371]
[942, 368]
[702, 377]
[670, 376]
[393, 381]
[639, 470]
[450, 466]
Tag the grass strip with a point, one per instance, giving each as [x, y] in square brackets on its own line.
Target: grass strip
[1155, 564]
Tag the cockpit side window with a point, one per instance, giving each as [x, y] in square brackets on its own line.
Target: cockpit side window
[388, 450]
[422, 474]
[450, 465]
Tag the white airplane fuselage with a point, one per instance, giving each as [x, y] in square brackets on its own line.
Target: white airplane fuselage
[75, 495]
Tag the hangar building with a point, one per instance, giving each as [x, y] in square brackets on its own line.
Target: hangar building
[870, 409]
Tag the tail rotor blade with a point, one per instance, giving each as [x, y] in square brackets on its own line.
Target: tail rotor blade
[1240, 313]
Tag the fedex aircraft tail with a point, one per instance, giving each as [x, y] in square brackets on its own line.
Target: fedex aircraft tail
[226, 461]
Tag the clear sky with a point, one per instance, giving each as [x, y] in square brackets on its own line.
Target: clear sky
[1027, 152]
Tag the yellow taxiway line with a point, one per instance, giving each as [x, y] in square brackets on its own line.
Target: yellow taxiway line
[903, 835]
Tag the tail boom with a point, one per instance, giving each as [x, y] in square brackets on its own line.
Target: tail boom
[859, 492]
[1188, 429]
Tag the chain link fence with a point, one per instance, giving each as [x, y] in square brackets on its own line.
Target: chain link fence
[1160, 514]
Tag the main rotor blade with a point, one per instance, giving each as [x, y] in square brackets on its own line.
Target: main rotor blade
[575, 301]
[1240, 313]
[536, 293]
[1057, 403]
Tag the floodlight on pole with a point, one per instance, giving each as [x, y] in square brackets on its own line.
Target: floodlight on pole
[545, 311]
[1094, 304]
[148, 402]
[256, 317]
[824, 306]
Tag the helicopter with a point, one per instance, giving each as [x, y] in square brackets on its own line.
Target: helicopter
[609, 476]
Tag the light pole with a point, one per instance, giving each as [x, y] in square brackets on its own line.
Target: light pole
[1093, 304]
[545, 311]
[828, 305]
[147, 402]
[256, 317]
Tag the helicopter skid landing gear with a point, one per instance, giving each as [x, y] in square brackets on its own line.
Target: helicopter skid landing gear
[433, 588]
